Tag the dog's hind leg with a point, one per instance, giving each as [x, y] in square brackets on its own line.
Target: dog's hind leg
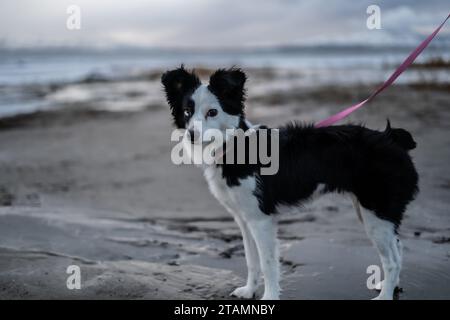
[380, 284]
[252, 259]
[264, 231]
[357, 207]
[383, 235]
[400, 257]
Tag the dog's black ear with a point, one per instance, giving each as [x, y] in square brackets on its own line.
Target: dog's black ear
[229, 86]
[177, 84]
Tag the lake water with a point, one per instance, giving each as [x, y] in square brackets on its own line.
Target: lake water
[317, 65]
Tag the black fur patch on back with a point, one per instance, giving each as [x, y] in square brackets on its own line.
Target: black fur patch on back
[375, 166]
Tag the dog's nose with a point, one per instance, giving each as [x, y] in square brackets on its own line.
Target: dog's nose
[194, 135]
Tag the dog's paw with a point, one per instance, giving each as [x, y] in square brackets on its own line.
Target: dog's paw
[243, 292]
[383, 297]
[379, 285]
[270, 297]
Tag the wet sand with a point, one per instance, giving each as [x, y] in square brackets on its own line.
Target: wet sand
[93, 185]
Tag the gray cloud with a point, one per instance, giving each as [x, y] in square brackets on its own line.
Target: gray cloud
[207, 23]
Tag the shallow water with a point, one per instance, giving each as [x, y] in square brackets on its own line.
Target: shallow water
[129, 80]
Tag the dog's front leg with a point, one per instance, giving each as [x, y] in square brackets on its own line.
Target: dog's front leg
[264, 231]
[252, 258]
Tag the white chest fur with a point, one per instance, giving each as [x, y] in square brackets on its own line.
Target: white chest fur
[237, 199]
[218, 187]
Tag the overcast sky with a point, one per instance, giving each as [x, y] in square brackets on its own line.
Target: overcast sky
[216, 23]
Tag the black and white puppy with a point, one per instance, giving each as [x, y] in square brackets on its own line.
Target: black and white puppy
[373, 167]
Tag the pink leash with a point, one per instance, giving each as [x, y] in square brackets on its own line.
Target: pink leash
[344, 113]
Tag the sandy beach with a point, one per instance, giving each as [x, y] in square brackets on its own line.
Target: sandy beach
[89, 184]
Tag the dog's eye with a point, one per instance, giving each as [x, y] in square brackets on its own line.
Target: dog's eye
[211, 113]
[187, 113]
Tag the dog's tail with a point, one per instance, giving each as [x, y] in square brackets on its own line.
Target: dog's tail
[400, 136]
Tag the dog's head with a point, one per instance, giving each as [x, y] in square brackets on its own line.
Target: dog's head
[198, 107]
